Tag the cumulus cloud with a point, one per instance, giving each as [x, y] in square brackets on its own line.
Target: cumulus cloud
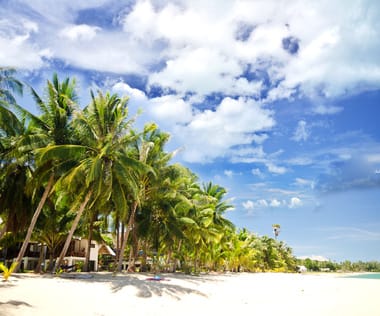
[248, 205]
[275, 203]
[202, 48]
[208, 46]
[168, 110]
[79, 32]
[126, 90]
[208, 134]
[294, 202]
[262, 204]
[233, 123]
[203, 71]
[20, 52]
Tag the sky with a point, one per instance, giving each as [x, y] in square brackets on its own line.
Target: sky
[277, 101]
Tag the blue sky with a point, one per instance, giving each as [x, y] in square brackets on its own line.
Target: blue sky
[277, 101]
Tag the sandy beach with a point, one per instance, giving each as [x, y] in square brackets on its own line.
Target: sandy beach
[177, 294]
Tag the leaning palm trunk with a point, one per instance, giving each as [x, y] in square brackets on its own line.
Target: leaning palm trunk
[33, 222]
[3, 230]
[72, 230]
[40, 259]
[133, 253]
[86, 267]
[128, 229]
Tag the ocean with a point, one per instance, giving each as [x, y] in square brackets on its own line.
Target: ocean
[370, 275]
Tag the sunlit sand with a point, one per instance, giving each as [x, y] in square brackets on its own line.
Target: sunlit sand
[178, 294]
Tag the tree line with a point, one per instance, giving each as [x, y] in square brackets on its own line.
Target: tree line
[89, 172]
[345, 266]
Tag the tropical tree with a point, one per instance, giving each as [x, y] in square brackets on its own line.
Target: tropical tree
[102, 169]
[52, 127]
[157, 191]
[276, 230]
[9, 84]
[13, 170]
[52, 226]
[14, 174]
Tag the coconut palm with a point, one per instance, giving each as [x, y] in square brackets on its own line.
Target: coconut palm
[9, 84]
[51, 127]
[276, 230]
[158, 191]
[13, 171]
[102, 169]
[14, 174]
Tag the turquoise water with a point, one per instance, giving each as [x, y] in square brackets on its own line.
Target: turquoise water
[366, 276]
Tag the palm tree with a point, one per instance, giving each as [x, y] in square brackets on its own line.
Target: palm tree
[51, 229]
[156, 191]
[276, 230]
[15, 172]
[142, 146]
[102, 169]
[9, 84]
[52, 127]
[12, 169]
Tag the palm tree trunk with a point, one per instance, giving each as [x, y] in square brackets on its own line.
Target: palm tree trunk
[40, 259]
[86, 267]
[3, 230]
[72, 230]
[128, 229]
[33, 222]
[134, 252]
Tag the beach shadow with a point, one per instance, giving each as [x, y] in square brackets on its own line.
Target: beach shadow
[15, 303]
[145, 286]
[7, 307]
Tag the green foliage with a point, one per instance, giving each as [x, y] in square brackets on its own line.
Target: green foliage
[345, 266]
[125, 176]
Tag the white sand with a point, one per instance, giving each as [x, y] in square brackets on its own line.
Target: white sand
[229, 294]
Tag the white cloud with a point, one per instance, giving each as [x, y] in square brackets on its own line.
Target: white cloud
[295, 202]
[204, 71]
[302, 132]
[248, 205]
[126, 90]
[196, 42]
[262, 203]
[229, 173]
[192, 46]
[273, 168]
[275, 203]
[170, 110]
[233, 123]
[204, 135]
[304, 182]
[17, 49]
[327, 110]
[79, 32]
[257, 172]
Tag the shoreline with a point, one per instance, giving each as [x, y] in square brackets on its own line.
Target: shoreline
[219, 294]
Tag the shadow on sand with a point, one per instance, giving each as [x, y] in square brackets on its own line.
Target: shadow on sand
[144, 284]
